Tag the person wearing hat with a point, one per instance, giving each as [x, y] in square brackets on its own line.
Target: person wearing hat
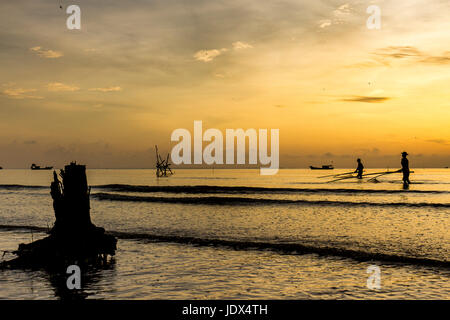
[405, 168]
[359, 169]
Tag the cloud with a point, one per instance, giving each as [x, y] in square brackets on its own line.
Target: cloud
[366, 99]
[109, 89]
[20, 93]
[325, 23]
[338, 16]
[383, 57]
[399, 52]
[409, 52]
[58, 87]
[238, 45]
[343, 10]
[208, 55]
[50, 54]
[442, 59]
[439, 141]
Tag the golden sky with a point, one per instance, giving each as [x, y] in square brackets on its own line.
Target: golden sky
[137, 70]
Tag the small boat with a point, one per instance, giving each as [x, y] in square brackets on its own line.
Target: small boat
[35, 167]
[324, 167]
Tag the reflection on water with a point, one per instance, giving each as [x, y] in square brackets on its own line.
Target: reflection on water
[370, 218]
[148, 270]
[48, 284]
[90, 278]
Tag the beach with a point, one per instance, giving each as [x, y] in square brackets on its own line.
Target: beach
[233, 234]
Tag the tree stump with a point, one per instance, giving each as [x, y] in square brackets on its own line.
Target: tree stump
[74, 239]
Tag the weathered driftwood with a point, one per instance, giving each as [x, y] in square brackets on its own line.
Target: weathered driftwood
[73, 238]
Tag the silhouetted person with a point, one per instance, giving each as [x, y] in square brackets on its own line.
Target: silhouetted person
[405, 169]
[360, 169]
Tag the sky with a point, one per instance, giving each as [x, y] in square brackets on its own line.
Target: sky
[137, 70]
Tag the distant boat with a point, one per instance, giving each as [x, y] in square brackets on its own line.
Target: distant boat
[35, 167]
[324, 167]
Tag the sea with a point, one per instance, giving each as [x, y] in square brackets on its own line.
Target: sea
[234, 234]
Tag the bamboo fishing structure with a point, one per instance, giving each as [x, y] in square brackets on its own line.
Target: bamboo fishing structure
[162, 165]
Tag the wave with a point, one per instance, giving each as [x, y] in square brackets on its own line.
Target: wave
[204, 178]
[257, 201]
[20, 187]
[205, 189]
[248, 190]
[286, 248]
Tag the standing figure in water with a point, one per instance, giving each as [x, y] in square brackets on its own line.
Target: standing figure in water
[359, 169]
[405, 169]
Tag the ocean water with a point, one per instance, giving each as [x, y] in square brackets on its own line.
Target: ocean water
[233, 234]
